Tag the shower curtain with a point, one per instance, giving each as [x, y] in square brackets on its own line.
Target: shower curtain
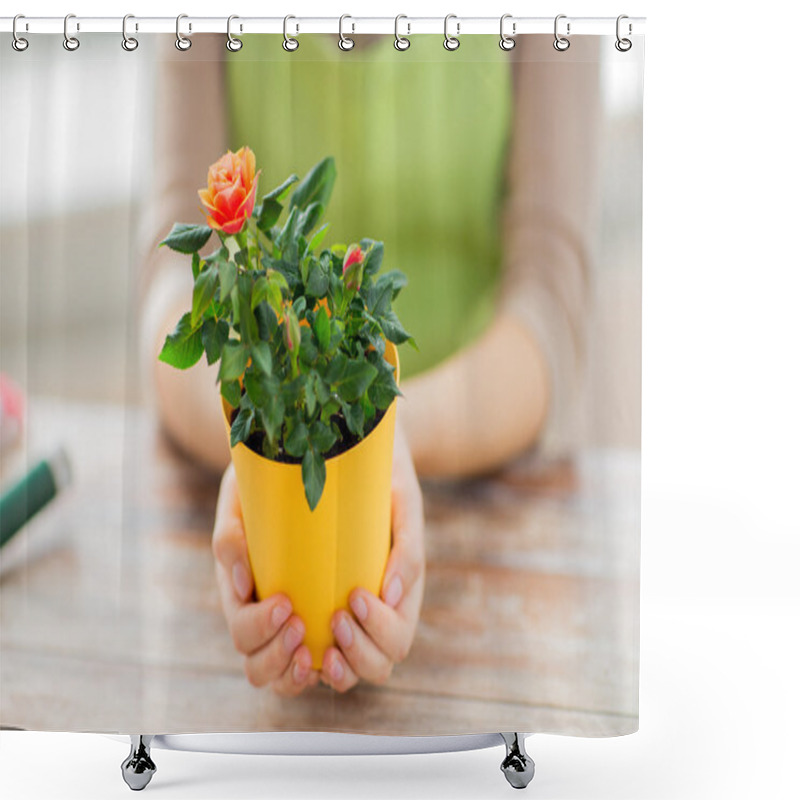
[505, 186]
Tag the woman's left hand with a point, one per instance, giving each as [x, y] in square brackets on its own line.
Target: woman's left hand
[375, 634]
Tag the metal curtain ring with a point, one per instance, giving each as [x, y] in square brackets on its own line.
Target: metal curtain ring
[400, 42]
[345, 43]
[129, 43]
[71, 43]
[451, 42]
[506, 41]
[233, 44]
[623, 45]
[181, 42]
[561, 43]
[18, 43]
[290, 44]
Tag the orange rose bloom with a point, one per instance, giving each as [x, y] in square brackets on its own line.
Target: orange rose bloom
[231, 192]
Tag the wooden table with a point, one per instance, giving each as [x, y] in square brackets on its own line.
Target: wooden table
[112, 623]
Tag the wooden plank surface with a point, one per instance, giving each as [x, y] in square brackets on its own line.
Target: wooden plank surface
[110, 620]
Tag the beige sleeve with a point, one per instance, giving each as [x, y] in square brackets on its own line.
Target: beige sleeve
[548, 220]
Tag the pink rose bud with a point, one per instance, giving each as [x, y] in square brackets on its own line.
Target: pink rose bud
[353, 267]
[291, 331]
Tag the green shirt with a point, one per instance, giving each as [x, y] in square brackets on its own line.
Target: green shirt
[419, 138]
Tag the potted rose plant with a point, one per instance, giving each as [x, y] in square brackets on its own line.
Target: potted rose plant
[305, 339]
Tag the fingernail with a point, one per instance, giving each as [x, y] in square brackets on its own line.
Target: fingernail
[280, 614]
[394, 591]
[299, 672]
[241, 580]
[337, 670]
[343, 633]
[359, 607]
[292, 638]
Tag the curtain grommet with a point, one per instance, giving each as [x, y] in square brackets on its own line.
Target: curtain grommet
[345, 42]
[19, 43]
[401, 43]
[561, 43]
[507, 42]
[290, 43]
[451, 43]
[71, 43]
[182, 43]
[233, 44]
[129, 43]
[623, 44]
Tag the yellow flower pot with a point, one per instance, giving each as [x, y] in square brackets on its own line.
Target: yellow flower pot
[318, 557]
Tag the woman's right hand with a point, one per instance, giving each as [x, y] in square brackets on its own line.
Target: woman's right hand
[265, 632]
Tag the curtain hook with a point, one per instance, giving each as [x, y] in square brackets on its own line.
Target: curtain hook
[451, 42]
[129, 43]
[18, 43]
[400, 42]
[233, 44]
[623, 45]
[181, 42]
[345, 43]
[71, 43]
[507, 42]
[561, 43]
[290, 44]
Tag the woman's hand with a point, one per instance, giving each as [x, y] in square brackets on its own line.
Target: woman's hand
[379, 632]
[266, 633]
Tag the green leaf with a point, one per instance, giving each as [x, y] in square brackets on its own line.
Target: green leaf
[233, 361]
[296, 442]
[262, 357]
[355, 381]
[317, 283]
[322, 437]
[227, 278]
[248, 327]
[310, 395]
[242, 425]
[322, 329]
[278, 279]
[273, 412]
[255, 388]
[308, 350]
[373, 257]
[275, 297]
[393, 329]
[383, 390]
[203, 294]
[183, 346]
[316, 186]
[215, 334]
[310, 217]
[287, 238]
[335, 369]
[354, 417]
[232, 392]
[316, 239]
[313, 477]
[329, 409]
[260, 289]
[268, 214]
[396, 279]
[187, 239]
[280, 192]
[196, 264]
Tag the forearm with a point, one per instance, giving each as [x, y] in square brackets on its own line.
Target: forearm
[481, 407]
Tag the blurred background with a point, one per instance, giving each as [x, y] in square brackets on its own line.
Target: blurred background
[76, 141]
